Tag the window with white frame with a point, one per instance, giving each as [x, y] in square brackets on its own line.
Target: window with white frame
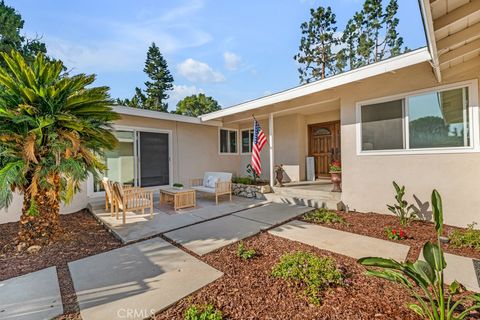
[247, 140]
[228, 141]
[429, 120]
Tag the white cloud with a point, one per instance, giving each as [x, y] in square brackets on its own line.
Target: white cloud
[231, 60]
[123, 46]
[181, 91]
[197, 71]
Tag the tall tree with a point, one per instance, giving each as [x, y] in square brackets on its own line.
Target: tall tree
[196, 105]
[52, 127]
[156, 89]
[11, 25]
[317, 45]
[378, 38]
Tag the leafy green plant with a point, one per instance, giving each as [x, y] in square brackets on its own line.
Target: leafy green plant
[427, 275]
[306, 269]
[402, 209]
[323, 215]
[178, 185]
[242, 180]
[469, 238]
[252, 173]
[395, 234]
[244, 253]
[206, 312]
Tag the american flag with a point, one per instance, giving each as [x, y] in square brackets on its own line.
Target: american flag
[259, 141]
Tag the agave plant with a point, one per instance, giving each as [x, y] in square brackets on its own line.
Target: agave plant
[424, 278]
[52, 130]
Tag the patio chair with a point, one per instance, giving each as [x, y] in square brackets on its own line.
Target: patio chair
[109, 198]
[131, 199]
[217, 183]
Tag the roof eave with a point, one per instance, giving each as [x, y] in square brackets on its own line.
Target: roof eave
[388, 65]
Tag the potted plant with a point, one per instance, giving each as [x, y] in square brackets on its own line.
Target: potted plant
[178, 186]
[336, 175]
[279, 175]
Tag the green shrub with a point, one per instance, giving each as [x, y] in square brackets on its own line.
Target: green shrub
[469, 238]
[206, 312]
[324, 215]
[244, 253]
[242, 180]
[306, 269]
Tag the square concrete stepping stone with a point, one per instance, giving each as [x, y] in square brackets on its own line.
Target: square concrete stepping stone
[137, 281]
[273, 213]
[461, 269]
[34, 296]
[211, 235]
[346, 243]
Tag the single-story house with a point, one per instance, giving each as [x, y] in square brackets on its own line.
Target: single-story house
[412, 119]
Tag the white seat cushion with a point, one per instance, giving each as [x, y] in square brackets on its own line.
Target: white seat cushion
[220, 176]
[204, 189]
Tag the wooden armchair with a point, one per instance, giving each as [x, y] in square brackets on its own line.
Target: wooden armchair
[109, 196]
[131, 199]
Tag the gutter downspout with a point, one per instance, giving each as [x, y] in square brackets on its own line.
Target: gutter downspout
[430, 35]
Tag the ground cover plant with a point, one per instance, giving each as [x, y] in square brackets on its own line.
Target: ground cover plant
[323, 215]
[244, 253]
[469, 238]
[205, 312]
[433, 301]
[314, 273]
[402, 209]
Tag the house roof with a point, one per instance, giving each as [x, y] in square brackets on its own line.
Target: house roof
[161, 115]
[453, 33]
[388, 65]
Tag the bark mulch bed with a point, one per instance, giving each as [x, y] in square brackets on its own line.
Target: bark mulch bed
[247, 291]
[82, 236]
[419, 232]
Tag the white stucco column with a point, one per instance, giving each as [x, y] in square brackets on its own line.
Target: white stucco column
[270, 146]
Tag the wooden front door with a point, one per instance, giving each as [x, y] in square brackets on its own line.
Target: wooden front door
[324, 145]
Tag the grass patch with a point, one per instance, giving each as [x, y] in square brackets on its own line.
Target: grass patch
[310, 271]
[323, 215]
[244, 253]
[206, 312]
[469, 238]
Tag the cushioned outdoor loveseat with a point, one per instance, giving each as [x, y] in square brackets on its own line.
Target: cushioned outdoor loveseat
[215, 183]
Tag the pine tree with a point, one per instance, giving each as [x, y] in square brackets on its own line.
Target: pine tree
[161, 82]
[378, 38]
[156, 90]
[317, 44]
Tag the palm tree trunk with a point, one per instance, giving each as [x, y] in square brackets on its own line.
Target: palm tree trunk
[44, 226]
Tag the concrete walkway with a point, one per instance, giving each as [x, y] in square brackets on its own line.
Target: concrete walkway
[138, 280]
[34, 296]
[208, 236]
[461, 269]
[346, 243]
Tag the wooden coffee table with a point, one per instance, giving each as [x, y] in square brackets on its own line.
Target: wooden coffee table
[179, 198]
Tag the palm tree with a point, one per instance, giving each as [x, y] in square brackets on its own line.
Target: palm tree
[52, 131]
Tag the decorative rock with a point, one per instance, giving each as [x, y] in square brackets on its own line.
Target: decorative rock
[34, 249]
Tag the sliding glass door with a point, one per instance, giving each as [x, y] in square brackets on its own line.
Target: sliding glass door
[153, 159]
[140, 159]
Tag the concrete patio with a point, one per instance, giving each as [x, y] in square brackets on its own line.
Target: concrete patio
[138, 226]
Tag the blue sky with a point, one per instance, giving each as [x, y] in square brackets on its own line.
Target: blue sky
[231, 50]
